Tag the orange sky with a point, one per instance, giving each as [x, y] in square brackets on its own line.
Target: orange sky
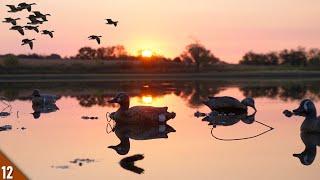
[228, 27]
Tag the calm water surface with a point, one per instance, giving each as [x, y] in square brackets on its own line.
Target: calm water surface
[45, 148]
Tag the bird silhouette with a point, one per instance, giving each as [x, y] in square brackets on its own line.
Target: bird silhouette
[33, 20]
[35, 28]
[110, 22]
[40, 15]
[94, 37]
[11, 20]
[26, 6]
[13, 8]
[29, 42]
[18, 28]
[46, 32]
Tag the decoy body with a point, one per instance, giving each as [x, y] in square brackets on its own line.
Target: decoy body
[40, 15]
[228, 104]
[46, 32]
[308, 110]
[110, 22]
[311, 141]
[11, 20]
[29, 42]
[34, 28]
[143, 115]
[128, 163]
[26, 6]
[94, 37]
[18, 28]
[13, 8]
[125, 132]
[43, 99]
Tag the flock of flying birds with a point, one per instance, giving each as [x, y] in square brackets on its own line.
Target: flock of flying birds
[37, 18]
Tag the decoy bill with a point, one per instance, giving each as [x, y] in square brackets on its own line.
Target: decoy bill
[26, 6]
[110, 22]
[13, 8]
[18, 28]
[94, 37]
[34, 28]
[40, 15]
[29, 42]
[46, 32]
[11, 20]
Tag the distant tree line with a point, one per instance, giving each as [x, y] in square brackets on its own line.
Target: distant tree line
[33, 56]
[292, 57]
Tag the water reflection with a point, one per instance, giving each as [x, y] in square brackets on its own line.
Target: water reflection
[216, 119]
[43, 109]
[128, 163]
[311, 141]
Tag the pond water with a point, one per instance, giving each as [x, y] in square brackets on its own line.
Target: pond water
[62, 145]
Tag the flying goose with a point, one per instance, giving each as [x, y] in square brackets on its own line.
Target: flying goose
[35, 28]
[110, 22]
[40, 15]
[33, 20]
[46, 32]
[13, 8]
[18, 28]
[11, 20]
[94, 37]
[26, 6]
[28, 41]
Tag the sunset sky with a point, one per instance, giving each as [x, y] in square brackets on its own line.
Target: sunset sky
[228, 27]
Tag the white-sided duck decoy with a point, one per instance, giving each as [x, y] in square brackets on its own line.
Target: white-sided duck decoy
[18, 28]
[308, 110]
[13, 8]
[111, 22]
[11, 20]
[229, 104]
[94, 37]
[143, 115]
[34, 28]
[311, 141]
[29, 42]
[26, 6]
[38, 14]
[125, 132]
[46, 32]
[43, 99]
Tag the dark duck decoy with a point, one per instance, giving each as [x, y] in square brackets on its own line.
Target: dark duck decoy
[128, 163]
[29, 42]
[228, 104]
[94, 37]
[34, 28]
[40, 15]
[43, 109]
[43, 99]
[11, 20]
[143, 115]
[18, 28]
[46, 32]
[307, 109]
[13, 8]
[111, 22]
[26, 6]
[125, 132]
[311, 141]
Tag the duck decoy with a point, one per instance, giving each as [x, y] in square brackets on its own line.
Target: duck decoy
[125, 132]
[34, 28]
[18, 28]
[308, 110]
[143, 115]
[311, 141]
[40, 15]
[46, 32]
[29, 42]
[94, 37]
[11, 20]
[111, 22]
[43, 99]
[228, 104]
[13, 8]
[128, 163]
[43, 109]
[26, 6]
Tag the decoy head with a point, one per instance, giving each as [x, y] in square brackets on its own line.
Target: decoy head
[36, 93]
[306, 107]
[305, 158]
[122, 99]
[36, 115]
[249, 119]
[120, 149]
[249, 102]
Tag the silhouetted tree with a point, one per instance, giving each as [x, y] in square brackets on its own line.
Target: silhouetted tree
[294, 57]
[86, 53]
[252, 58]
[314, 57]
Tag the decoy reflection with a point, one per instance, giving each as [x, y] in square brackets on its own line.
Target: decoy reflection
[216, 119]
[128, 163]
[311, 141]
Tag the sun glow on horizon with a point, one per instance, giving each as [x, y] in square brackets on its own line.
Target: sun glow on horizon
[147, 53]
[147, 99]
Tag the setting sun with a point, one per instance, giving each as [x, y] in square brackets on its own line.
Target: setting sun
[147, 99]
[147, 53]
